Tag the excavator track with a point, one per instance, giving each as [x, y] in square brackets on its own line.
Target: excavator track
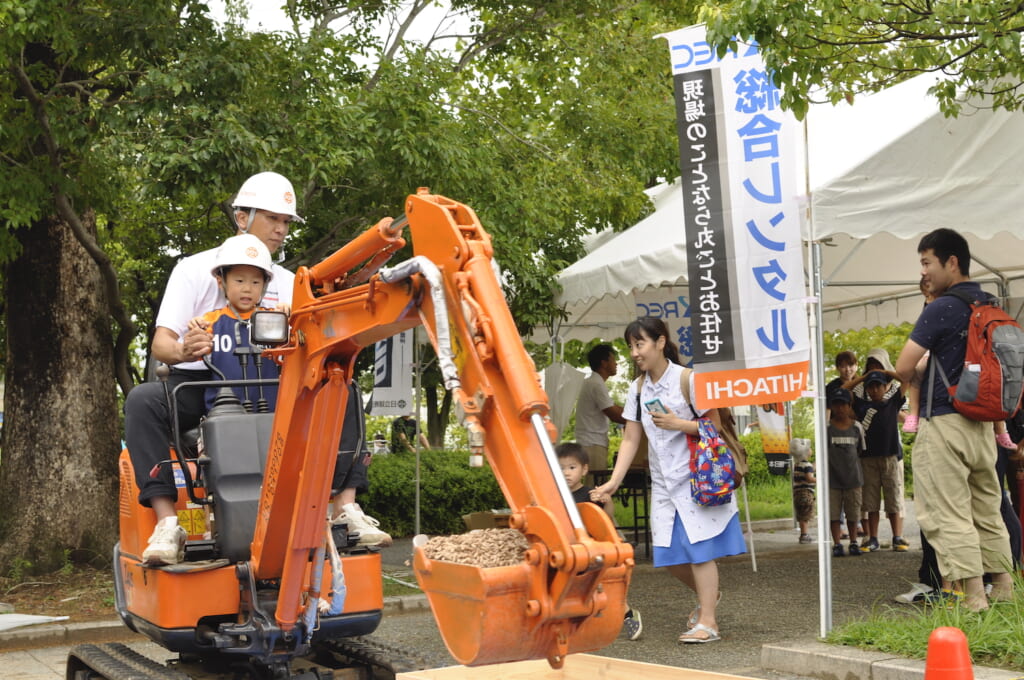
[362, 657]
[386, 660]
[115, 661]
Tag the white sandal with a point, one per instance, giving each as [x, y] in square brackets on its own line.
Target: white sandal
[695, 614]
[691, 636]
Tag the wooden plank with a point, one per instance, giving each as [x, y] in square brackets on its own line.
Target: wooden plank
[577, 667]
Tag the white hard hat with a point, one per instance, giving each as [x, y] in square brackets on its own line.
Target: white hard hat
[243, 249]
[267, 191]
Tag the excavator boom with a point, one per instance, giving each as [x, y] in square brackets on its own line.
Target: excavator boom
[568, 595]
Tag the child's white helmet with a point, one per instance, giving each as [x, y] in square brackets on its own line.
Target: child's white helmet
[267, 191]
[243, 249]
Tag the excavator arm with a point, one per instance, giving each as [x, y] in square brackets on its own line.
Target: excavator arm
[569, 593]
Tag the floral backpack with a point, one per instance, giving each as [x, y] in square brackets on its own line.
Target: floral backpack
[712, 468]
[717, 459]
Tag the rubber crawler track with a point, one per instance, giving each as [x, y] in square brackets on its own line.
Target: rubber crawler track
[116, 661]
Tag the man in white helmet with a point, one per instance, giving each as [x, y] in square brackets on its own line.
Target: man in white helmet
[265, 206]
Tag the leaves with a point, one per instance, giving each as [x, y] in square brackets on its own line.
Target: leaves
[836, 49]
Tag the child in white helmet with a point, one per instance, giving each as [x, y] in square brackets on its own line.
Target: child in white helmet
[243, 269]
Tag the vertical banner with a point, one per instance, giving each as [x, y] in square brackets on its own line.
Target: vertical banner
[739, 164]
[392, 376]
[670, 304]
[771, 420]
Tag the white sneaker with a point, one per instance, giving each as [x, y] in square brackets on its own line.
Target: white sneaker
[360, 523]
[917, 593]
[167, 544]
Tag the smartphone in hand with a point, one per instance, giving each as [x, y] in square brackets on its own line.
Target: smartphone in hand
[655, 406]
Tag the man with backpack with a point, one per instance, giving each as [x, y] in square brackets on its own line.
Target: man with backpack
[954, 458]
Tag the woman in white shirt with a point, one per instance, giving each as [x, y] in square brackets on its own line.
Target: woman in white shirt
[688, 538]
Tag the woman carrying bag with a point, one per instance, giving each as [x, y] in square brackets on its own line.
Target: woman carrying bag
[687, 537]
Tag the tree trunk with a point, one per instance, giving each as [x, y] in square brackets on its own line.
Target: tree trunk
[437, 417]
[58, 471]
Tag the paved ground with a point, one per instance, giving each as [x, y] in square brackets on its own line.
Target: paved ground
[774, 607]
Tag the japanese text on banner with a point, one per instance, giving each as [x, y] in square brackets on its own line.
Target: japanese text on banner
[739, 174]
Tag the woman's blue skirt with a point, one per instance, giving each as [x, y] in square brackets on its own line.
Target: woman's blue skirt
[682, 551]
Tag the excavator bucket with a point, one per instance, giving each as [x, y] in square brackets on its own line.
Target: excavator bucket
[498, 614]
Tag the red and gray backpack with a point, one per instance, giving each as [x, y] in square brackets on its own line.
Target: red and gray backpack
[992, 378]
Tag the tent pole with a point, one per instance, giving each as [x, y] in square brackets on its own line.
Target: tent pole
[416, 440]
[750, 530]
[820, 426]
[821, 449]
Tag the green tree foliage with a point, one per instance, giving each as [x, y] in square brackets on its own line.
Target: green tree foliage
[128, 125]
[845, 47]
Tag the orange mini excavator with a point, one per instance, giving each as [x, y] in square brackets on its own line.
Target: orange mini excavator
[266, 590]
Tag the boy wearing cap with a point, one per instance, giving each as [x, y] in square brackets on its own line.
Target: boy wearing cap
[845, 446]
[882, 460]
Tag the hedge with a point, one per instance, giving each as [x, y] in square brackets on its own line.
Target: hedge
[449, 488]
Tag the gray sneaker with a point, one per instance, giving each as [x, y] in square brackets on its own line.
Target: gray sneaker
[632, 625]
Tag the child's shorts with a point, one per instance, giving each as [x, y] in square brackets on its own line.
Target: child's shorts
[844, 500]
[803, 504]
[883, 475]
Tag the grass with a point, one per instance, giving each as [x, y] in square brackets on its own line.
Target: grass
[768, 500]
[396, 585]
[993, 636]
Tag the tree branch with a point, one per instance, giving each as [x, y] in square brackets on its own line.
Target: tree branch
[544, 151]
[389, 52]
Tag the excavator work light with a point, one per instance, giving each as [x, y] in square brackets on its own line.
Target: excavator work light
[269, 328]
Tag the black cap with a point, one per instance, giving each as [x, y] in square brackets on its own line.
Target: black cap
[841, 395]
[876, 377]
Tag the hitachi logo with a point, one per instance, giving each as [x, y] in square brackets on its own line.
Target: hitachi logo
[762, 389]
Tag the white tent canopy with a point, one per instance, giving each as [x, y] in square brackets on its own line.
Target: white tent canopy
[906, 170]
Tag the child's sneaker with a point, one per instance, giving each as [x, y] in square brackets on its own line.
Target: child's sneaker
[806, 538]
[910, 424]
[362, 524]
[855, 549]
[837, 550]
[166, 545]
[632, 625]
[899, 544]
[944, 598]
[871, 545]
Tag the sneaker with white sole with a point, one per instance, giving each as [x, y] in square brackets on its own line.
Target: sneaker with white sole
[166, 545]
[362, 524]
[632, 625]
[917, 593]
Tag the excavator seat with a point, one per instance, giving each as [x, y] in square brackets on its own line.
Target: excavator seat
[237, 445]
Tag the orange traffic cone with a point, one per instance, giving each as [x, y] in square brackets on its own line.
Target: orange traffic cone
[948, 657]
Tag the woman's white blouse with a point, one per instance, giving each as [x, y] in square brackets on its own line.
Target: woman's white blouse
[668, 454]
